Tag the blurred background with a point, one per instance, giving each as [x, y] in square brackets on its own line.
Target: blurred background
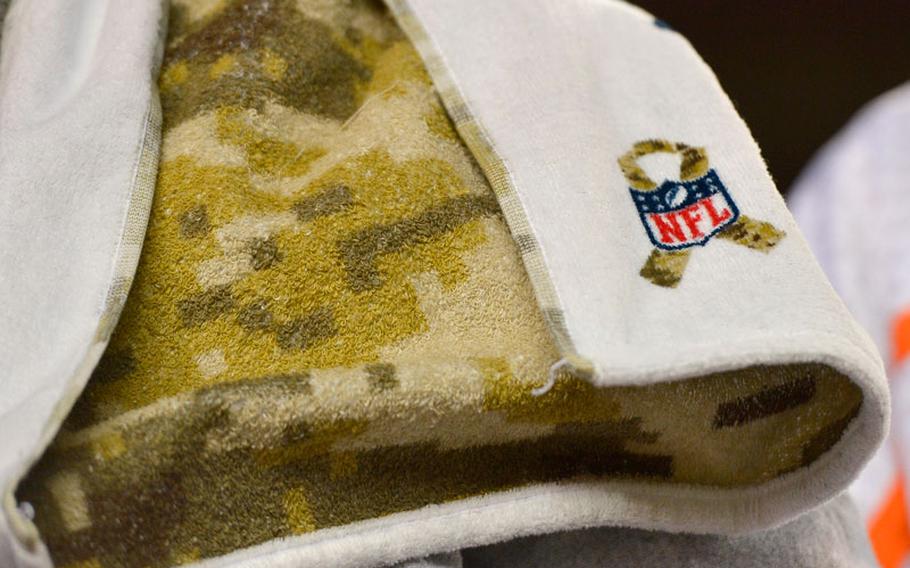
[796, 70]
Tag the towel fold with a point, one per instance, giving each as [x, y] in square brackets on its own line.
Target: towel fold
[354, 338]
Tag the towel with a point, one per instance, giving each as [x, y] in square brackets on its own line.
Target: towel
[830, 536]
[351, 341]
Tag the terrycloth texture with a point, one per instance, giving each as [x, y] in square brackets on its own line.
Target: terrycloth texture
[831, 536]
[852, 203]
[78, 145]
[330, 347]
[656, 242]
[828, 537]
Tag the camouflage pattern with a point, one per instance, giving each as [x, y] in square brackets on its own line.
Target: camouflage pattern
[330, 321]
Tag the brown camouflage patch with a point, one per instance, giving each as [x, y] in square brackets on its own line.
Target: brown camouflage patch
[328, 202]
[206, 306]
[194, 222]
[825, 439]
[114, 364]
[360, 251]
[381, 377]
[765, 403]
[264, 253]
[255, 317]
[303, 332]
[321, 77]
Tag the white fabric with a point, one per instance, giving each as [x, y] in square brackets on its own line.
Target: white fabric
[830, 536]
[563, 89]
[553, 509]
[76, 97]
[853, 203]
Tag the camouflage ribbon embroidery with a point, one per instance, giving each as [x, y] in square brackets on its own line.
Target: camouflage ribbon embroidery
[680, 214]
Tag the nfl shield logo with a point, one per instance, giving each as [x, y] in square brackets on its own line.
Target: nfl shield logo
[681, 214]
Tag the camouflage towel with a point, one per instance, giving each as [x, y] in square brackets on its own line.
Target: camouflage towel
[331, 322]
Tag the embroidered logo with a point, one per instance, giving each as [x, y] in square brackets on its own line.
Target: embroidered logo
[680, 214]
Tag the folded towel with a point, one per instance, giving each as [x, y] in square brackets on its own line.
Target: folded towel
[332, 342]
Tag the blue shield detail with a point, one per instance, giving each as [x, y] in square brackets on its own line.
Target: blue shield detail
[682, 214]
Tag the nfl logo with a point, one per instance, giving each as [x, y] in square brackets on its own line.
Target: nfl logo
[681, 214]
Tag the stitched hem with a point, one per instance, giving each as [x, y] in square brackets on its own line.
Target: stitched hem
[496, 170]
[126, 259]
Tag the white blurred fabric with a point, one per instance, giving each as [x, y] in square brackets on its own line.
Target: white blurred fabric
[853, 205]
